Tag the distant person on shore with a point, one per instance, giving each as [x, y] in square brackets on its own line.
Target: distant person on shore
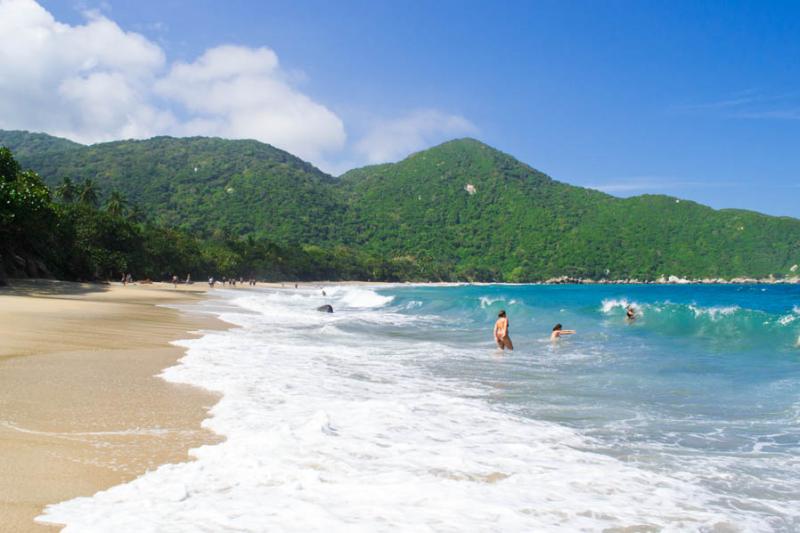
[211, 282]
[501, 332]
[175, 281]
[558, 331]
[129, 277]
[124, 279]
[630, 313]
[188, 279]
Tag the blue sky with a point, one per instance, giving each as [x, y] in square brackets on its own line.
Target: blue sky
[694, 99]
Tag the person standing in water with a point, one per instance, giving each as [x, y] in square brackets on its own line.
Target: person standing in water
[558, 332]
[501, 332]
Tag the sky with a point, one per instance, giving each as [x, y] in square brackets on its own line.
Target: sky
[695, 99]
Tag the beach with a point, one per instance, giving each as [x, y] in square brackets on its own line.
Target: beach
[680, 421]
[684, 420]
[81, 406]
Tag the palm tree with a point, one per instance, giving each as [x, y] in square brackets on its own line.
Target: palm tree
[88, 194]
[116, 204]
[136, 214]
[67, 191]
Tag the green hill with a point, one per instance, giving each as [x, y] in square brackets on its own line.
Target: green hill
[460, 210]
[24, 143]
[519, 224]
[207, 186]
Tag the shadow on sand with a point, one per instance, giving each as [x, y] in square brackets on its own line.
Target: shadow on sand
[48, 288]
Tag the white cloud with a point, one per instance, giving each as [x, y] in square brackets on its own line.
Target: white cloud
[751, 104]
[85, 82]
[234, 91]
[95, 82]
[389, 140]
[656, 184]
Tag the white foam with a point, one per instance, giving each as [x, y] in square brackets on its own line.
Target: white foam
[352, 435]
[715, 312]
[791, 317]
[486, 301]
[610, 304]
[360, 297]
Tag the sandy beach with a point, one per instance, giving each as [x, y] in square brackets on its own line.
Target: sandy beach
[80, 406]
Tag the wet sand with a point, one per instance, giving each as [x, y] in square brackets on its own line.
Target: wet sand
[80, 406]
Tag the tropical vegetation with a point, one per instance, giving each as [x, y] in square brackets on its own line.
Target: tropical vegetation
[458, 211]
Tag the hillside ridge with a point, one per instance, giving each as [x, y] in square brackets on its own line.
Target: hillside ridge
[459, 210]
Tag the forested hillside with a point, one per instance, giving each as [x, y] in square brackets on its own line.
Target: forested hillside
[484, 215]
[210, 187]
[458, 211]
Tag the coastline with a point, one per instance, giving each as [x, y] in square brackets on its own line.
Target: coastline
[81, 406]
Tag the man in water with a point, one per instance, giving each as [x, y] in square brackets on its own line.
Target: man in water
[501, 332]
[630, 313]
[558, 332]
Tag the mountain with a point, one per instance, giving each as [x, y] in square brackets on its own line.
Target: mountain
[202, 185]
[24, 143]
[486, 215]
[460, 210]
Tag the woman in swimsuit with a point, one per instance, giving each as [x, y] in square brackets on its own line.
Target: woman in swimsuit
[501, 332]
[558, 332]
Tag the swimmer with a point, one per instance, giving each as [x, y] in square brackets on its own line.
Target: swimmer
[630, 313]
[501, 332]
[558, 332]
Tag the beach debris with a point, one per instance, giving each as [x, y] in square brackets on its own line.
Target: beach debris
[327, 308]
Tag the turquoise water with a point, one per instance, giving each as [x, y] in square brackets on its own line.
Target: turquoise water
[398, 413]
[704, 384]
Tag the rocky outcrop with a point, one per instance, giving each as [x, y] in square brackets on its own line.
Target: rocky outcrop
[14, 265]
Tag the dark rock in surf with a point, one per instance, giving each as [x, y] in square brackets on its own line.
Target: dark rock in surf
[325, 308]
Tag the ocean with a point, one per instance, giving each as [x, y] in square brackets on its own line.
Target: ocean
[398, 413]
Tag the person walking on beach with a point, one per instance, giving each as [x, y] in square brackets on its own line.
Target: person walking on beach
[501, 332]
[558, 332]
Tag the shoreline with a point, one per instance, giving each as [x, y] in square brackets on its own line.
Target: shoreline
[81, 405]
[550, 282]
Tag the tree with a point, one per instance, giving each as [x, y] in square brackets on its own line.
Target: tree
[67, 191]
[116, 204]
[88, 194]
[9, 168]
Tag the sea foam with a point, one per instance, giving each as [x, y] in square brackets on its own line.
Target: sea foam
[330, 432]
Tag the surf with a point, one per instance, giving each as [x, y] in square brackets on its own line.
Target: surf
[389, 415]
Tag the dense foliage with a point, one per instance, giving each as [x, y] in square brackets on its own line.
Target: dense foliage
[74, 239]
[480, 214]
[459, 211]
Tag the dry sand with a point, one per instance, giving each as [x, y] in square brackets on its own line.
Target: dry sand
[80, 406]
